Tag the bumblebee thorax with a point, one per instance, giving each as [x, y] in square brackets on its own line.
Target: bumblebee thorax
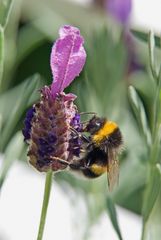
[104, 132]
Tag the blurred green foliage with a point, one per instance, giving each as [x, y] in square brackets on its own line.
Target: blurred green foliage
[26, 38]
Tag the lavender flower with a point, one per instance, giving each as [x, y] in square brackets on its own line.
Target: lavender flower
[48, 122]
[134, 64]
[120, 9]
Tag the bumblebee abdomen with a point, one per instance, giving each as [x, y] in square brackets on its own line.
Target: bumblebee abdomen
[94, 171]
[98, 169]
[96, 163]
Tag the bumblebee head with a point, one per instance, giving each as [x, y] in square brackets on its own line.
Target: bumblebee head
[94, 124]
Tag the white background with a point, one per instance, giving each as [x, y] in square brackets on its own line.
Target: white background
[20, 205]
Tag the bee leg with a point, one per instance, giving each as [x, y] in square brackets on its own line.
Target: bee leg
[91, 113]
[82, 151]
[89, 145]
[74, 166]
[75, 131]
[80, 135]
[77, 165]
[60, 160]
[86, 139]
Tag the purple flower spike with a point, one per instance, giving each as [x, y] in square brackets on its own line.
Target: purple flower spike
[48, 123]
[120, 9]
[67, 58]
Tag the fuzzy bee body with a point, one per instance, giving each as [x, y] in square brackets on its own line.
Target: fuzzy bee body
[92, 165]
[103, 146]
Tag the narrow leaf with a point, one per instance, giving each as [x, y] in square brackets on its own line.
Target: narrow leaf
[0, 122]
[67, 58]
[158, 165]
[1, 52]
[34, 39]
[12, 153]
[21, 99]
[152, 227]
[5, 7]
[140, 114]
[152, 191]
[144, 36]
[113, 216]
[151, 44]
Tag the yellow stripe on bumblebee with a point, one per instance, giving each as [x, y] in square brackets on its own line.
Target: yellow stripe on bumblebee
[98, 169]
[107, 129]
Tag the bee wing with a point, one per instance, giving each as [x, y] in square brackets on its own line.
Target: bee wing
[112, 169]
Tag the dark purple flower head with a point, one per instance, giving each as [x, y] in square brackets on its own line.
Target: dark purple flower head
[75, 141]
[51, 133]
[48, 124]
[28, 123]
[120, 9]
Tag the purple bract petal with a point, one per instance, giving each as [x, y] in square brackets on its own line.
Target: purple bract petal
[67, 58]
[120, 9]
[70, 97]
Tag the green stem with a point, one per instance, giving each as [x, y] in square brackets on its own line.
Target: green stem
[47, 189]
[143, 232]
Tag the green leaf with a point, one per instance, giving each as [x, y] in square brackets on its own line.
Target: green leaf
[152, 229]
[34, 39]
[5, 8]
[61, 12]
[158, 165]
[1, 52]
[12, 153]
[144, 36]
[106, 72]
[113, 216]
[0, 127]
[140, 114]
[151, 193]
[151, 44]
[17, 100]
[130, 184]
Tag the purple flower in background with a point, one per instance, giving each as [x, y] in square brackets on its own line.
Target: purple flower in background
[120, 9]
[132, 58]
[48, 123]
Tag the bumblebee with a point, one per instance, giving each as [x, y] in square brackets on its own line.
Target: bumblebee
[101, 149]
